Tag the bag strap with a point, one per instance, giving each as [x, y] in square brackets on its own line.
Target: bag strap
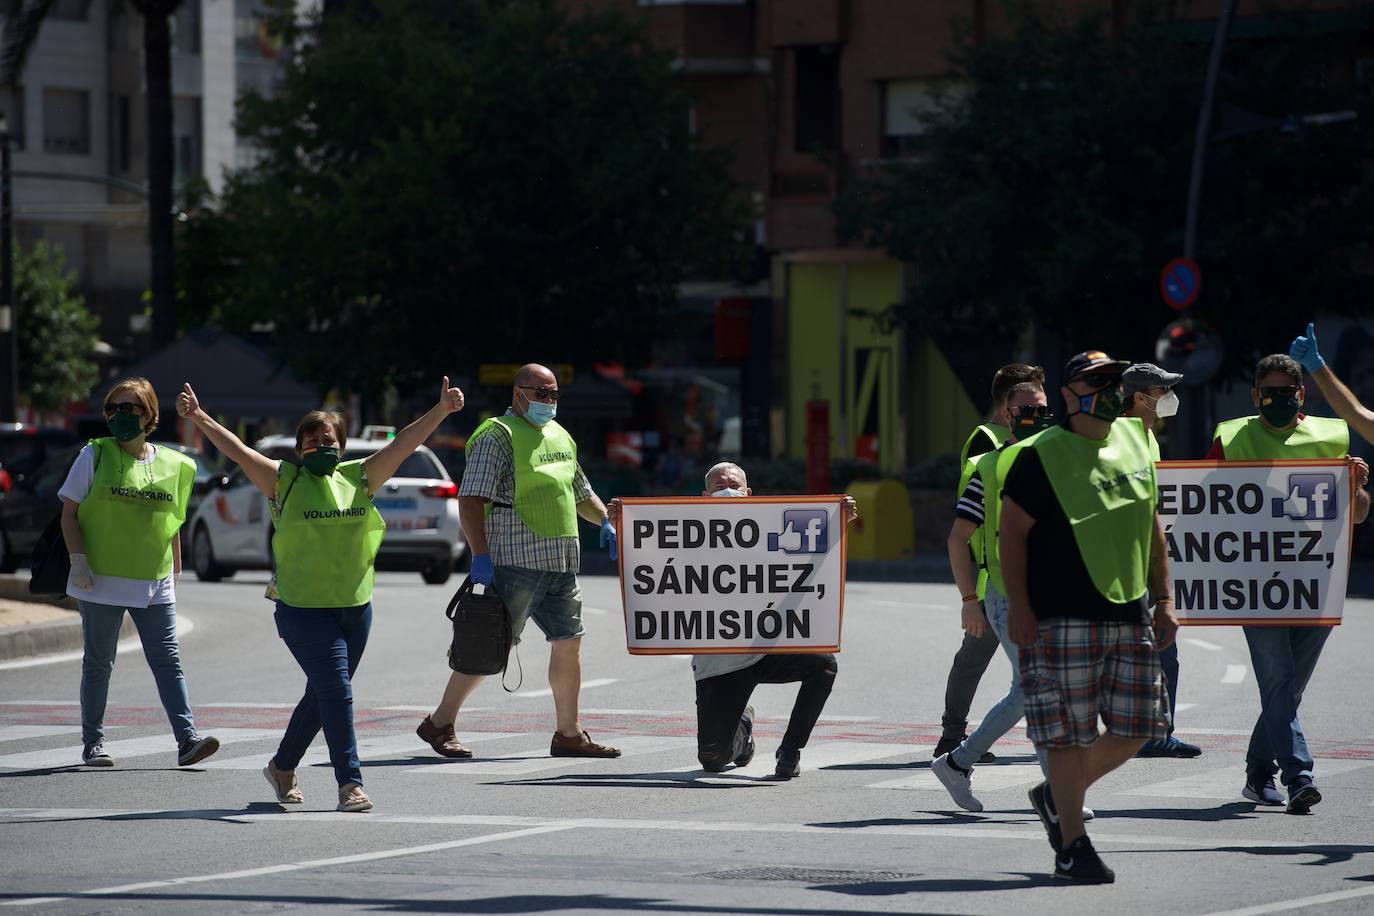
[463, 591]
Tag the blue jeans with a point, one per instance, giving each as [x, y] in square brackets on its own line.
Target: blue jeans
[1283, 658]
[1007, 711]
[327, 643]
[157, 630]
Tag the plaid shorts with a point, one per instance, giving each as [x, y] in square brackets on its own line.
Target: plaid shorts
[1080, 669]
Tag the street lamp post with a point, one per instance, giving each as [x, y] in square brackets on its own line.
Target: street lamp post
[9, 318]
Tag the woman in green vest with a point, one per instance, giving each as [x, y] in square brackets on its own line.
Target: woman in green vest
[326, 537]
[123, 504]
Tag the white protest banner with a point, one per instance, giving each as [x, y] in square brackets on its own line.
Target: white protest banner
[1257, 542]
[730, 576]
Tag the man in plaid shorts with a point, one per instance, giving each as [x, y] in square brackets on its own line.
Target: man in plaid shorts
[1082, 550]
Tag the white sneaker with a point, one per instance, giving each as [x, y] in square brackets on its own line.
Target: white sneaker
[1088, 813]
[959, 785]
[95, 755]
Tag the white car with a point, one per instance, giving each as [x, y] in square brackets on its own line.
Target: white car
[231, 529]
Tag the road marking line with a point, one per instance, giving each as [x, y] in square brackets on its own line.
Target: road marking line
[1234, 674]
[1299, 903]
[1184, 707]
[295, 866]
[21, 732]
[184, 627]
[597, 611]
[430, 708]
[367, 747]
[120, 750]
[1224, 780]
[818, 756]
[638, 712]
[1028, 829]
[247, 705]
[987, 779]
[548, 691]
[1203, 644]
[538, 760]
[40, 702]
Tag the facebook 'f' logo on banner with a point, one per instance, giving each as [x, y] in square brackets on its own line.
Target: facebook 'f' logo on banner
[803, 531]
[1310, 497]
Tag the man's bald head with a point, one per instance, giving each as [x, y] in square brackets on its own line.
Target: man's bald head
[535, 375]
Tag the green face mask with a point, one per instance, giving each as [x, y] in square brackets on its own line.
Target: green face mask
[125, 426]
[1279, 412]
[321, 461]
[1105, 404]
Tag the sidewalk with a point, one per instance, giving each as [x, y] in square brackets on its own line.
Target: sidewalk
[30, 626]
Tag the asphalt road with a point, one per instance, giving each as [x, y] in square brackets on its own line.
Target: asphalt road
[865, 828]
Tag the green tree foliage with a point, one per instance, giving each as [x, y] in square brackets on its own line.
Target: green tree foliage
[57, 335]
[447, 182]
[1054, 191]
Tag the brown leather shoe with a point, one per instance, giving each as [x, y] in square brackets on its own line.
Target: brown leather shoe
[443, 740]
[581, 746]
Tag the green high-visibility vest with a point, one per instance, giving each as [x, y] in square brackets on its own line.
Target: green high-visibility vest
[545, 468]
[1154, 445]
[327, 532]
[999, 435]
[1248, 439]
[1107, 491]
[132, 510]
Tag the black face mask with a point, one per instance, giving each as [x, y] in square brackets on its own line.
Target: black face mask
[1027, 421]
[1105, 404]
[1279, 412]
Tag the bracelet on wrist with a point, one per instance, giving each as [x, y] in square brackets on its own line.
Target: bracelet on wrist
[1165, 599]
[973, 597]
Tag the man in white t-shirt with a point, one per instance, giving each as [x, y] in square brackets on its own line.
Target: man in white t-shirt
[725, 720]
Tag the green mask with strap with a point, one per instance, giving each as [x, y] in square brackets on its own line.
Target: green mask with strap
[321, 461]
[125, 427]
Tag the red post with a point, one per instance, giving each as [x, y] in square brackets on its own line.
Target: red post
[818, 446]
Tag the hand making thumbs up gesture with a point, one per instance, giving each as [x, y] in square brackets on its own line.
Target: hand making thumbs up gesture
[188, 403]
[451, 399]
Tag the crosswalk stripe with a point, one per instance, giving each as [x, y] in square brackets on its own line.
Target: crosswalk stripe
[1225, 779]
[819, 755]
[121, 750]
[985, 779]
[21, 732]
[380, 746]
[548, 691]
[537, 760]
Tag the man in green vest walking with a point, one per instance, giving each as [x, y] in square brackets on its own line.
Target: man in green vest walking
[1150, 398]
[979, 644]
[1284, 657]
[1082, 551]
[521, 496]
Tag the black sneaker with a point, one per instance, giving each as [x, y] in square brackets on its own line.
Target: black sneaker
[195, 749]
[1080, 862]
[789, 762]
[945, 745]
[95, 755]
[1262, 791]
[1043, 804]
[1302, 795]
[746, 756]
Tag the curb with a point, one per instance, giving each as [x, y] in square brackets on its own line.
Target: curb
[49, 637]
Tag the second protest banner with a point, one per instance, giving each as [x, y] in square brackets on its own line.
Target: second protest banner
[731, 576]
[1257, 542]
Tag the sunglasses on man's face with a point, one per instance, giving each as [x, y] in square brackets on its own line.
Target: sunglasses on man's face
[542, 393]
[1282, 392]
[1029, 411]
[123, 407]
[1099, 380]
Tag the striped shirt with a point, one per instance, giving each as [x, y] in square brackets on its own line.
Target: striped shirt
[970, 504]
[490, 475]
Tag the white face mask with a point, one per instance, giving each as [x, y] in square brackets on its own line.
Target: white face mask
[729, 491]
[1167, 405]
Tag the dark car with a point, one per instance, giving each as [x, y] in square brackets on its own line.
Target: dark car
[32, 500]
[23, 448]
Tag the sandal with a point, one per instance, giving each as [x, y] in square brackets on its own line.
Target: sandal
[283, 784]
[353, 798]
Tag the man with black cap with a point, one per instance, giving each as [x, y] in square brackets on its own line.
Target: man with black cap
[1150, 397]
[1082, 553]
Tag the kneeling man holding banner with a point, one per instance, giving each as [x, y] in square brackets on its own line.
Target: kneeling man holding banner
[763, 575]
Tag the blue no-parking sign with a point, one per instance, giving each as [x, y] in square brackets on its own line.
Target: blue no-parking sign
[1180, 282]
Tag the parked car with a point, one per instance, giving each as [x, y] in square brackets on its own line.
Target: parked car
[24, 447]
[232, 528]
[208, 472]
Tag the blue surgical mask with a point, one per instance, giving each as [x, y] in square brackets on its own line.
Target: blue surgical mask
[539, 413]
[729, 491]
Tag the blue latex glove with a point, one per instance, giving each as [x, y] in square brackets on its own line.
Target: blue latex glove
[1304, 350]
[482, 572]
[608, 536]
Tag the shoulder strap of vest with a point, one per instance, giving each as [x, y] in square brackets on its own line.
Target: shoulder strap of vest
[295, 476]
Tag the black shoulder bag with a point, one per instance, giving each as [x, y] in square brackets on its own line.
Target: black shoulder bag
[482, 633]
[51, 563]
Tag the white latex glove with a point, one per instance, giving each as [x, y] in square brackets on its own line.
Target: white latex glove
[82, 577]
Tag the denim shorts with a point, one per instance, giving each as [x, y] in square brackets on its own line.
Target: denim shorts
[553, 599]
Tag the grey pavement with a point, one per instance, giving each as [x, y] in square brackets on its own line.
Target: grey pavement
[866, 828]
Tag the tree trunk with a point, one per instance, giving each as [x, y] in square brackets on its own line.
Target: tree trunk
[157, 72]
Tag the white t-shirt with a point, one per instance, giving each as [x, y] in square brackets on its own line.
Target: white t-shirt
[704, 666]
[112, 590]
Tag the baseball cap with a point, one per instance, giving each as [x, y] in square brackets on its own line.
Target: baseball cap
[1092, 361]
[1147, 375]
